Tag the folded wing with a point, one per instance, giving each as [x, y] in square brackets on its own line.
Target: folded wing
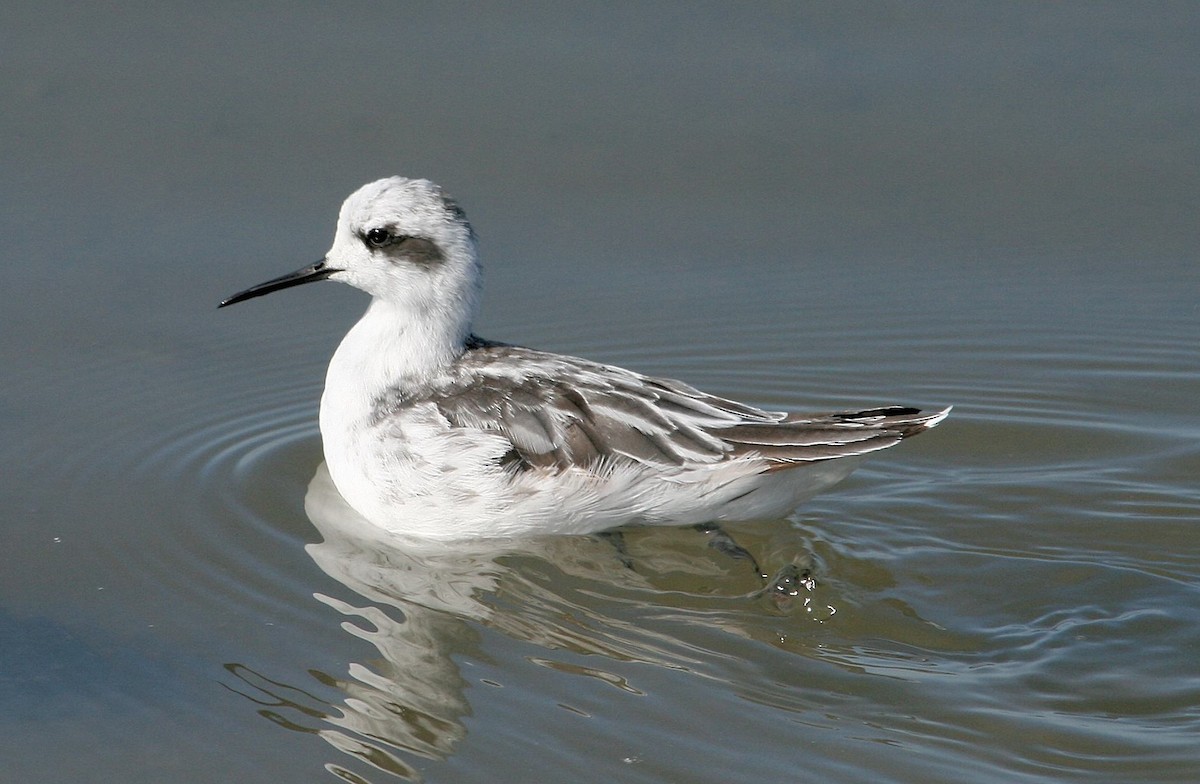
[559, 412]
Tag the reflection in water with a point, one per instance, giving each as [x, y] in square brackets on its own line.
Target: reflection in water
[423, 605]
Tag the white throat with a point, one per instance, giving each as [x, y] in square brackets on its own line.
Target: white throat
[389, 348]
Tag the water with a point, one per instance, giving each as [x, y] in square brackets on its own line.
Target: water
[800, 207]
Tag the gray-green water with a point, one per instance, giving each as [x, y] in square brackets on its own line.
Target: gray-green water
[801, 206]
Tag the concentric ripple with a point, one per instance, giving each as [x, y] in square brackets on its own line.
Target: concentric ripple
[172, 486]
[990, 558]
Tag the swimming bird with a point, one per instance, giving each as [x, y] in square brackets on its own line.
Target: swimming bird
[433, 432]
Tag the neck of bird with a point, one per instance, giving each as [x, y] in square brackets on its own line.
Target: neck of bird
[393, 348]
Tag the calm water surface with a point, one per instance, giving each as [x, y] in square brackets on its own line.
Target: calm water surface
[805, 210]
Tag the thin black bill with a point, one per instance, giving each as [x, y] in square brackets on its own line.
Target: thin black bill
[313, 272]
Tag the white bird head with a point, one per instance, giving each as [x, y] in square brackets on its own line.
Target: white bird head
[403, 242]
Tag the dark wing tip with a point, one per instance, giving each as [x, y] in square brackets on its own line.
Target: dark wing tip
[801, 439]
[903, 419]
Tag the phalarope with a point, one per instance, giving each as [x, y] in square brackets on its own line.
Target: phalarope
[433, 432]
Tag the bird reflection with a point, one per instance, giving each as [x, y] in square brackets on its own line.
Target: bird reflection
[424, 607]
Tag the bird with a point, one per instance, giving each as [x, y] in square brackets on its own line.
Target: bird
[434, 433]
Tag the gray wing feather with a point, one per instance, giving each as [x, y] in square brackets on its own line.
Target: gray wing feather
[560, 411]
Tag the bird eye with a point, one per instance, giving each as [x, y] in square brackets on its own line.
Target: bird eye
[378, 238]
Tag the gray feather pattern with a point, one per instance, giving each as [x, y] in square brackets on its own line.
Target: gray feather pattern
[560, 411]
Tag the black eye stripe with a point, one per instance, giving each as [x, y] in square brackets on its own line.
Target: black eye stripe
[416, 250]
